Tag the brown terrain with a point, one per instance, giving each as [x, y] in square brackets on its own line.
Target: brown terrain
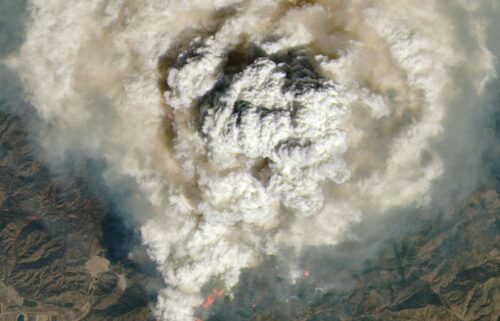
[53, 265]
[446, 269]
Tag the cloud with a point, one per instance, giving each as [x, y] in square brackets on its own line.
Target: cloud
[246, 127]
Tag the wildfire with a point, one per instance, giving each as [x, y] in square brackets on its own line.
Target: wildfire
[211, 299]
[209, 302]
[212, 296]
[306, 274]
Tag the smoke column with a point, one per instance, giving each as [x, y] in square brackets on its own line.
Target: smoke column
[251, 126]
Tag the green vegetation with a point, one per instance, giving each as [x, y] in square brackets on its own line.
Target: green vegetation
[68, 305]
[29, 303]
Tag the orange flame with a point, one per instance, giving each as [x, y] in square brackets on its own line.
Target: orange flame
[211, 298]
[306, 274]
[209, 302]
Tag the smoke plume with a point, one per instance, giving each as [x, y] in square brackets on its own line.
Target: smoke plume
[254, 126]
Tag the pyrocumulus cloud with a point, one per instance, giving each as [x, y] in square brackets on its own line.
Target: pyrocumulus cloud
[250, 126]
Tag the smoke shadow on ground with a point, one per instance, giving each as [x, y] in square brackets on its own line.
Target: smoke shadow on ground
[119, 236]
[118, 239]
[119, 233]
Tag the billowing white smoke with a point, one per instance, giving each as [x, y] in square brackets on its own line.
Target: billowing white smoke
[332, 116]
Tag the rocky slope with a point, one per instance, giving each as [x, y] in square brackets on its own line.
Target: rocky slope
[449, 269]
[51, 227]
[444, 269]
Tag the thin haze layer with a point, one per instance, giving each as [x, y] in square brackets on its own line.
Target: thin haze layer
[275, 123]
